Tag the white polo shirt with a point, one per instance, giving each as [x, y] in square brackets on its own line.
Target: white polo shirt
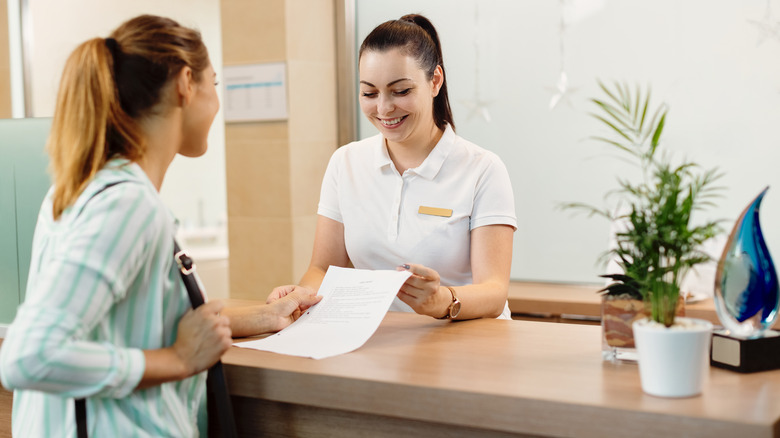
[380, 208]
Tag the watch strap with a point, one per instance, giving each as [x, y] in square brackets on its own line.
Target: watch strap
[448, 315]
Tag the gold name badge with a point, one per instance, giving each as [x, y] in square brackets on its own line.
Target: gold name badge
[433, 211]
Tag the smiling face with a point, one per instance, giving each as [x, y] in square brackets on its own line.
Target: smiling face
[396, 95]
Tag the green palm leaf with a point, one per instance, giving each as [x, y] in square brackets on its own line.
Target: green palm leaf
[660, 244]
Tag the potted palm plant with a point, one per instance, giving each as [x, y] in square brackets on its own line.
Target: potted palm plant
[657, 244]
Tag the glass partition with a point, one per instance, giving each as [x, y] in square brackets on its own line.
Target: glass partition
[23, 184]
[714, 62]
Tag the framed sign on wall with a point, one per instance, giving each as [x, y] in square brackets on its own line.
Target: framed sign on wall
[256, 92]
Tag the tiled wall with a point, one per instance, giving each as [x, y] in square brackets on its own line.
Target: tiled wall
[274, 169]
[5, 73]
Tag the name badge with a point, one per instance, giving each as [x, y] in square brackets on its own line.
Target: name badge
[434, 211]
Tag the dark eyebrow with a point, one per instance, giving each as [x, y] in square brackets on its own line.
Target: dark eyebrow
[389, 84]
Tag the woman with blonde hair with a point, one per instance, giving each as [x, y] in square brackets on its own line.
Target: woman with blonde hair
[106, 315]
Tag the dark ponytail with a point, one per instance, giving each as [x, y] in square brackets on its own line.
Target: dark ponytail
[416, 37]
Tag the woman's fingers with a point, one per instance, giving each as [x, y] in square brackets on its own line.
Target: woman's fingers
[421, 289]
[211, 307]
[203, 336]
[419, 271]
[422, 283]
[280, 292]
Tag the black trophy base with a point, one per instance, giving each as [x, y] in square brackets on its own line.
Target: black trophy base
[745, 355]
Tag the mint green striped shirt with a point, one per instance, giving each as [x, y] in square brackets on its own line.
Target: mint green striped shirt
[102, 287]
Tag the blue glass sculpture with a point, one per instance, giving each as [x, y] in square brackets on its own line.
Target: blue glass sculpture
[746, 284]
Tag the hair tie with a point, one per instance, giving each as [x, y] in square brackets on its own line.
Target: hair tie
[113, 47]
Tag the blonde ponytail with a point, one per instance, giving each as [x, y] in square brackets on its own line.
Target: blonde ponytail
[87, 117]
[108, 85]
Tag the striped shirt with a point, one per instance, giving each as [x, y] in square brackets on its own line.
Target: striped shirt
[102, 287]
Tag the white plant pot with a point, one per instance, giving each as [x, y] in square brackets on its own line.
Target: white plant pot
[673, 361]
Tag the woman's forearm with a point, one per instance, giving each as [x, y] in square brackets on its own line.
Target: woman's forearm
[251, 320]
[483, 300]
[265, 318]
[45, 357]
[312, 279]
[491, 261]
[162, 366]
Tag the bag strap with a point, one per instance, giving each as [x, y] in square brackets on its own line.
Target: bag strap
[81, 418]
[216, 381]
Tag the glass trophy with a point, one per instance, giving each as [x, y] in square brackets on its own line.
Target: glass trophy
[746, 298]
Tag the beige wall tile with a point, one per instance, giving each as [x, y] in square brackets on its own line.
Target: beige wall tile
[303, 228]
[253, 31]
[309, 36]
[214, 276]
[258, 177]
[258, 131]
[312, 101]
[308, 161]
[260, 256]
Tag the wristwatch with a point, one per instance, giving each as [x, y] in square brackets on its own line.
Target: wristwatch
[454, 309]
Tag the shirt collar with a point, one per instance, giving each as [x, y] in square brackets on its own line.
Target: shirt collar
[116, 170]
[432, 164]
[132, 171]
[381, 156]
[129, 171]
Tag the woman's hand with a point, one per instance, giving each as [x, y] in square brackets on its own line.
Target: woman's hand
[423, 291]
[290, 304]
[280, 292]
[203, 336]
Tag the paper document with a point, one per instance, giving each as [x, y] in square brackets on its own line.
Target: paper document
[354, 302]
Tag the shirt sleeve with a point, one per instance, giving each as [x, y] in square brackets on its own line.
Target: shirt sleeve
[47, 348]
[494, 201]
[329, 193]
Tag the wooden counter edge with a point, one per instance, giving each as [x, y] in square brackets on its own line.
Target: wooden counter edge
[498, 414]
[554, 298]
[6, 406]
[558, 299]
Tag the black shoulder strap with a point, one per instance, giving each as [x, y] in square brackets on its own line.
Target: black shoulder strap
[216, 382]
[101, 190]
[81, 418]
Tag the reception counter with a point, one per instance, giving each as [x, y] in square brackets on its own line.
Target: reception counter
[419, 376]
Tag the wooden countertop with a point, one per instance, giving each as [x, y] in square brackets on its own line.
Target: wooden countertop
[501, 377]
[484, 377]
[6, 404]
[554, 298]
[581, 300]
